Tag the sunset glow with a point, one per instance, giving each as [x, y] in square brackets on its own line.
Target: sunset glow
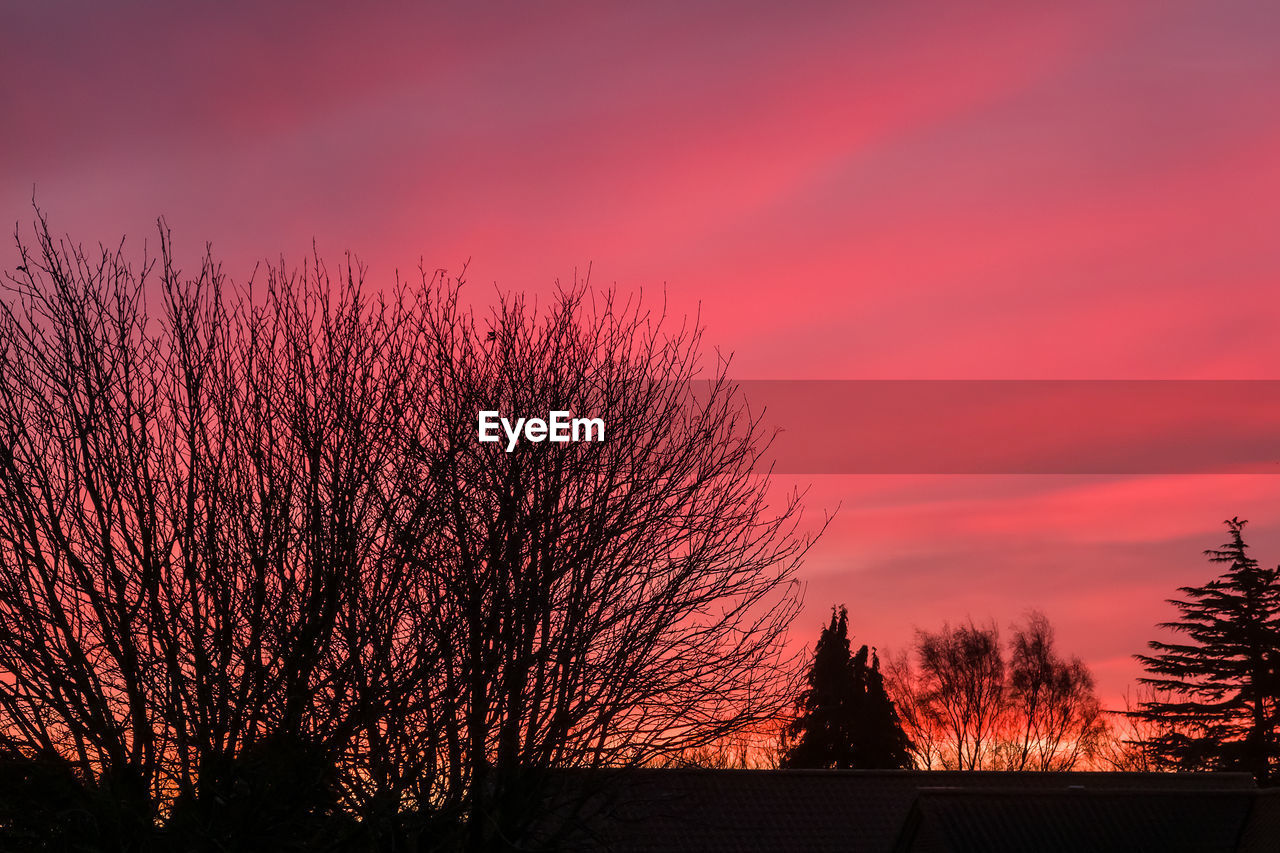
[838, 191]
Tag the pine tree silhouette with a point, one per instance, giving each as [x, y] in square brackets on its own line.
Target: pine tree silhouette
[1221, 681]
[845, 717]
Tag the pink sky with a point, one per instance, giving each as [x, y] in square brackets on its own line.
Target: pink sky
[887, 191]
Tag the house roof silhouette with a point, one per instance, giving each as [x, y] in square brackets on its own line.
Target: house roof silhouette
[899, 811]
[1057, 821]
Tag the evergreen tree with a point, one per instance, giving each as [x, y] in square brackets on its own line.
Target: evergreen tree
[880, 741]
[1217, 690]
[845, 717]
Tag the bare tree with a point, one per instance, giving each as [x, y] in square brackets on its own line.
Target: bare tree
[606, 603]
[921, 724]
[251, 550]
[1125, 744]
[80, 544]
[204, 582]
[962, 671]
[748, 752]
[1055, 719]
[968, 707]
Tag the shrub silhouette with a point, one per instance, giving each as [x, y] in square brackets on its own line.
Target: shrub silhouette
[276, 795]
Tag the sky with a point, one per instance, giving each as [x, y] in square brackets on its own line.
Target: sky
[914, 190]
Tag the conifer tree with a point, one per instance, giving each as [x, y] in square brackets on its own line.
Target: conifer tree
[880, 741]
[1217, 688]
[845, 717]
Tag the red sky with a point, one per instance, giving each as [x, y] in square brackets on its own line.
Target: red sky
[848, 190]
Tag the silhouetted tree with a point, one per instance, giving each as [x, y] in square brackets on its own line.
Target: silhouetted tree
[255, 530]
[604, 603]
[822, 734]
[846, 719]
[1221, 702]
[1124, 745]
[200, 544]
[968, 707]
[963, 678]
[915, 711]
[1055, 718]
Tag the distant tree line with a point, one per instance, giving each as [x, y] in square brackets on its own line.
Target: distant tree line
[261, 588]
[963, 700]
[964, 705]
